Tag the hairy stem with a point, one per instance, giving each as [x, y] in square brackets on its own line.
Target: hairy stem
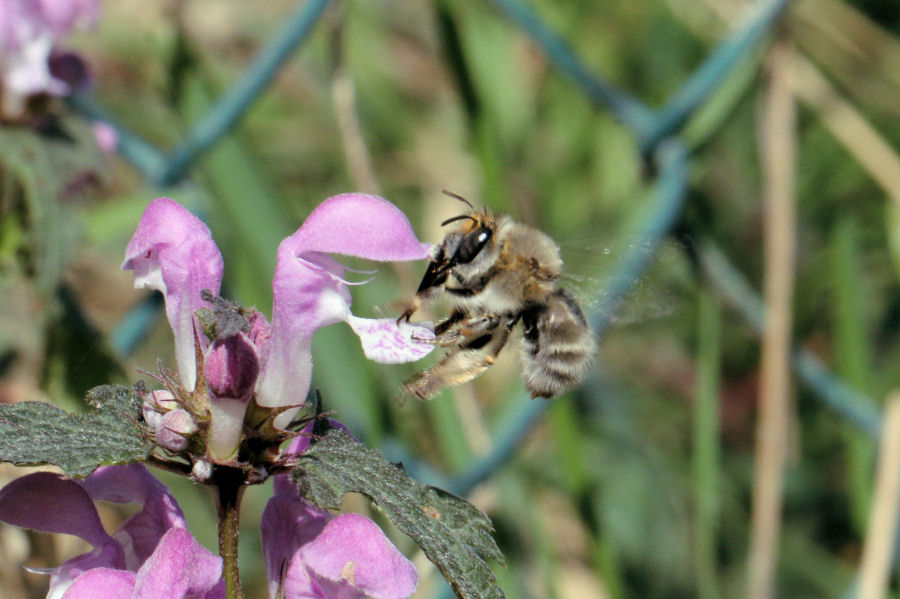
[229, 488]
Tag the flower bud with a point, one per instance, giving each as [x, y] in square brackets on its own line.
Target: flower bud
[174, 429]
[202, 470]
[231, 367]
[157, 403]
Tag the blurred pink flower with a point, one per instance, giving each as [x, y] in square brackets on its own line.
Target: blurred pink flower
[150, 555]
[30, 32]
[106, 136]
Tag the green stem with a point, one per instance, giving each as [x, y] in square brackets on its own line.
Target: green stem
[229, 484]
[706, 450]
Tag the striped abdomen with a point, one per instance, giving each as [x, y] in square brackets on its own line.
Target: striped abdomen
[558, 345]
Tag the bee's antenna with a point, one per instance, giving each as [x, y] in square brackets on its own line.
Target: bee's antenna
[457, 197]
[456, 218]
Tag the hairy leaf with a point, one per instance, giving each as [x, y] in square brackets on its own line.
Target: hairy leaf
[36, 433]
[454, 534]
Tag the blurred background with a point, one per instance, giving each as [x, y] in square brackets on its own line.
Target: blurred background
[687, 192]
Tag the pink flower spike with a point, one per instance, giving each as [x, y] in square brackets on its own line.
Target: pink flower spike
[173, 251]
[310, 290]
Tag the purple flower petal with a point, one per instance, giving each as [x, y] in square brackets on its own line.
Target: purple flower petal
[48, 502]
[141, 533]
[63, 15]
[179, 567]
[385, 341]
[231, 367]
[172, 251]
[29, 33]
[102, 583]
[362, 225]
[289, 522]
[28, 71]
[61, 578]
[309, 289]
[353, 549]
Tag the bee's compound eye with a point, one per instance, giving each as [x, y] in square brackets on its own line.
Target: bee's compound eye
[471, 245]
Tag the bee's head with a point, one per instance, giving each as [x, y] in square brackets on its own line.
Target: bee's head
[470, 250]
[476, 232]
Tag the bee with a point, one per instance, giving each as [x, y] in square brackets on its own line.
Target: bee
[496, 273]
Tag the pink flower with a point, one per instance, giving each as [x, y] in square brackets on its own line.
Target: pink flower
[312, 554]
[173, 251]
[30, 31]
[310, 292]
[150, 555]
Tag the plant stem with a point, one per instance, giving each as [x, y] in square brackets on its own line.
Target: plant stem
[777, 154]
[229, 485]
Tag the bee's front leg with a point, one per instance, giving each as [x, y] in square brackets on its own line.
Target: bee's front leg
[412, 306]
[408, 311]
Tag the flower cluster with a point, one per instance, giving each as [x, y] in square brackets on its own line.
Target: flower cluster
[240, 382]
[309, 553]
[151, 554]
[243, 359]
[31, 60]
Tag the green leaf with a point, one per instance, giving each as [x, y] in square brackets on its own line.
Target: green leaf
[453, 533]
[36, 433]
[42, 173]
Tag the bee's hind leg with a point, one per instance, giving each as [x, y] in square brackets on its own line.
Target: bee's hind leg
[467, 332]
[460, 365]
[445, 325]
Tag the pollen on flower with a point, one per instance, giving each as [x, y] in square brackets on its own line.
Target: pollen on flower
[348, 572]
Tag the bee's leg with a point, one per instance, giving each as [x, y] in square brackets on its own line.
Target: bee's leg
[443, 331]
[443, 326]
[413, 305]
[460, 365]
[409, 310]
[468, 331]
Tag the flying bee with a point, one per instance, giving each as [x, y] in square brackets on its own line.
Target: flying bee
[495, 273]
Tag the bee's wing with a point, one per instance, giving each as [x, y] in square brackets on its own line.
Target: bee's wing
[593, 267]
